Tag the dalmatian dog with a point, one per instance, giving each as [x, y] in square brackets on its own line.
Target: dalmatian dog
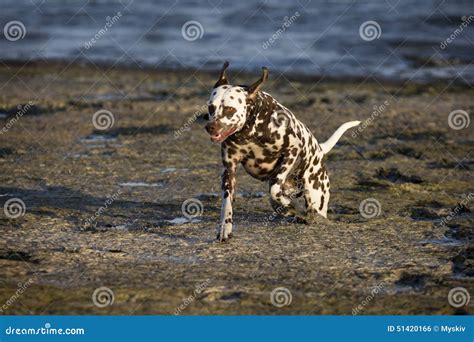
[273, 146]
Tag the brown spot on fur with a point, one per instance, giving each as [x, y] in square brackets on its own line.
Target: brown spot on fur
[229, 111]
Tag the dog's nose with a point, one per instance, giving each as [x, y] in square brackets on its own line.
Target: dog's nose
[212, 127]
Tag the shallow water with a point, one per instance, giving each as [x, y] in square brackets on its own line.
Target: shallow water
[322, 37]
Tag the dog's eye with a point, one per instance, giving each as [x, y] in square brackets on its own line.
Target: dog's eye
[211, 109]
[229, 111]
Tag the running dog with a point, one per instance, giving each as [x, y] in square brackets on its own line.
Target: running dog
[272, 145]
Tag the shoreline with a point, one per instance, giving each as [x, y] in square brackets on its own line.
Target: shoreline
[292, 76]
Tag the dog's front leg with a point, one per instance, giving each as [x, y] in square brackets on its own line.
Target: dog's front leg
[224, 230]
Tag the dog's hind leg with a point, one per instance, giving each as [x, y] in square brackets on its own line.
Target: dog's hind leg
[289, 212]
[282, 175]
[316, 192]
[291, 189]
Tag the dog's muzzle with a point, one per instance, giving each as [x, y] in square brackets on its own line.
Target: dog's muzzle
[217, 133]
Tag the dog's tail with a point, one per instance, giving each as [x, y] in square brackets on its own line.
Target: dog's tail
[329, 144]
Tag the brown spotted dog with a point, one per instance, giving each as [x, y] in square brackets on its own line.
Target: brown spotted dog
[272, 145]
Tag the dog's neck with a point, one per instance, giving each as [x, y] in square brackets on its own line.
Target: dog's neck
[264, 103]
[255, 108]
[259, 109]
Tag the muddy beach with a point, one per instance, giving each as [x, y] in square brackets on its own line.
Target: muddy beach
[104, 208]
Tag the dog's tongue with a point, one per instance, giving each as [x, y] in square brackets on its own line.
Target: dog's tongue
[221, 136]
[217, 137]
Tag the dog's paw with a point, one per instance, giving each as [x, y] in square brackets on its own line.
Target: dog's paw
[296, 219]
[224, 232]
[224, 238]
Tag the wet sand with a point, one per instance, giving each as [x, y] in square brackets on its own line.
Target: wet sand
[137, 174]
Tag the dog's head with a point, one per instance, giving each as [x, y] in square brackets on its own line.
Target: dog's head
[229, 105]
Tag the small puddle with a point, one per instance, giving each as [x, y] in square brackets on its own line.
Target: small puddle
[247, 194]
[168, 170]
[100, 141]
[80, 155]
[442, 242]
[97, 138]
[140, 184]
[124, 97]
[207, 195]
[173, 170]
[240, 194]
[125, 226]
[182, 220]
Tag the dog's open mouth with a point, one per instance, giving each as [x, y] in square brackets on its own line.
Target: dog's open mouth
[220, 137]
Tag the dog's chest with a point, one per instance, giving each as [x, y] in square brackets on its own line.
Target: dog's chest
[259, 161]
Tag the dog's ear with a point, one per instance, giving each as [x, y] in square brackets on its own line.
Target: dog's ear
[254, 88]
[223, 76]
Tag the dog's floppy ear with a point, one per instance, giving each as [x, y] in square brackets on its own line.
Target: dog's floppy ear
[223, 76]
[254, 88]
